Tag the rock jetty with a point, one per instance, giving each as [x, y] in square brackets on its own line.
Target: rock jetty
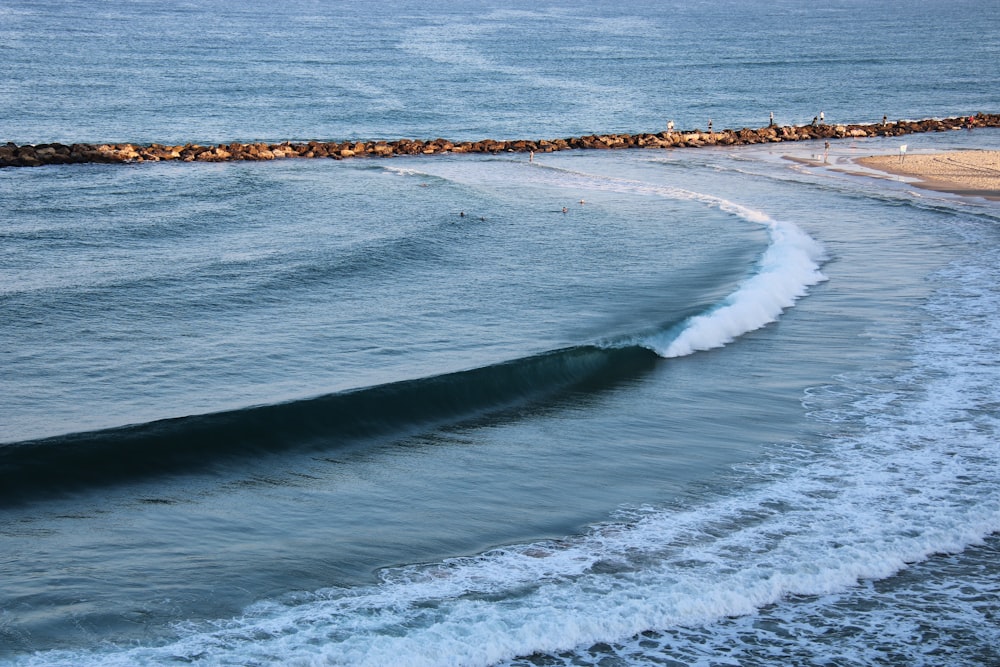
[13, 155]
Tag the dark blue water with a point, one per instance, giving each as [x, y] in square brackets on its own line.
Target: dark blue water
[726, 408]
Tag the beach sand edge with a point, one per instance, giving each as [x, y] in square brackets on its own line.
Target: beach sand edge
[968, 173]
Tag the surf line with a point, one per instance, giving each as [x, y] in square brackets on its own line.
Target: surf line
[783, 274]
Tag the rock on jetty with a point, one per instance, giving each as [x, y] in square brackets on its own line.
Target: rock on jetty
[13, 155]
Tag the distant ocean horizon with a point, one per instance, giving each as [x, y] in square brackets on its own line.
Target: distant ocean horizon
[716, 406]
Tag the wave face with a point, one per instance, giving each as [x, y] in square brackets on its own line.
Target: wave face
[37, 469]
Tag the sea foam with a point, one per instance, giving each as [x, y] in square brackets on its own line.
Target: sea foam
[789, 266]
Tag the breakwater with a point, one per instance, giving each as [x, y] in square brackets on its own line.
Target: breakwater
[13, 155]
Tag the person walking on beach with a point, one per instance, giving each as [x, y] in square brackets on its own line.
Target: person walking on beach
[902, 153]
[826, 151]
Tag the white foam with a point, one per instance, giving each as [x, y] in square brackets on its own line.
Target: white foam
[402, 171]
[788, 267]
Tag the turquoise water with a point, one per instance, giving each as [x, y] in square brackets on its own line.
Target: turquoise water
[726, 408]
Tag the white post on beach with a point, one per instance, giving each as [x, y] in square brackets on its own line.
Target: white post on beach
[902, 153]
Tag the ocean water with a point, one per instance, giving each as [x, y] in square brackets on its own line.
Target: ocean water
[687, 407]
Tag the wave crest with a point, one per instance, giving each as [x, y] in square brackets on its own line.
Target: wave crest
[786, 270]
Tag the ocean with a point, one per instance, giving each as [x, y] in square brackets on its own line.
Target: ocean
[719, 406]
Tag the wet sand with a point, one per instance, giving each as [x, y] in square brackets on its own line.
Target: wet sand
[967, 173]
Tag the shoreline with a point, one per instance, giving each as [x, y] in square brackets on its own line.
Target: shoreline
[27, 155]
[967, 173]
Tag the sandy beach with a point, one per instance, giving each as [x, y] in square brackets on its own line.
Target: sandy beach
[970, 173]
